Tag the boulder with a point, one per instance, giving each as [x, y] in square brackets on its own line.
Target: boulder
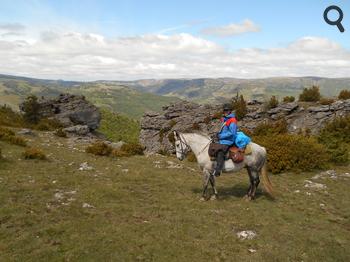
[81, 130]
[157, 128]
[70, 110]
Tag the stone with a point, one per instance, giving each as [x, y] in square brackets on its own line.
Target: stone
[70, 110]
[81, 130]
[26, 131]
[247, 234]
[84, 166]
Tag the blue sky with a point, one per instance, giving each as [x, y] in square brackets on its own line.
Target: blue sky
[279, 23]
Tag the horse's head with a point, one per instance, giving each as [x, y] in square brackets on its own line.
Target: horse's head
[181, 147]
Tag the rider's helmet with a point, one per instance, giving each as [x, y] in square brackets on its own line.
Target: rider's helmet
[227, 107]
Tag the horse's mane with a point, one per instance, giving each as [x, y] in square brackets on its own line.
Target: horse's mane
[201, 133]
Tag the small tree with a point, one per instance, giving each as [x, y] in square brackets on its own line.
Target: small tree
[31, 107]
[240, 106]
[273, 102]
[310, 94]
[288, 99]
[344, 94]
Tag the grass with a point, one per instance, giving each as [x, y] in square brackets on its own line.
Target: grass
[150, 213]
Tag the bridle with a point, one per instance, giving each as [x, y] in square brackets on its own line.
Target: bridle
[184, 147]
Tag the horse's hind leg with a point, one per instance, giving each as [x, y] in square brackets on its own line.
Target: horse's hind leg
[251, 180]
[256, 181]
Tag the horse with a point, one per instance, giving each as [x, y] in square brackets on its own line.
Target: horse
[255, 163]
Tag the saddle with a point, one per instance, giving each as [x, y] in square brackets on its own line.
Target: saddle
[234, 153]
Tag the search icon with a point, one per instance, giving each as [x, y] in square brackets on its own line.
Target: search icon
[338, 21]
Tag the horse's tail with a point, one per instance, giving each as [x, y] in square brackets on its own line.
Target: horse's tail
[266, 180]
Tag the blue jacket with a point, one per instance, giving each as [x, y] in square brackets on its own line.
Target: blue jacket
[228, 133]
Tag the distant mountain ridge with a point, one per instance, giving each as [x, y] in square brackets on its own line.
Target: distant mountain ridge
[202, 90]
[214, 90]
[117, 98]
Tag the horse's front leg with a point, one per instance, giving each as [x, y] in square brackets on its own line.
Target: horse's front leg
[212, 182]
[206, 180]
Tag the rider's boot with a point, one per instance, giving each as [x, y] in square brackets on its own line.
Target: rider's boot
[220, 160]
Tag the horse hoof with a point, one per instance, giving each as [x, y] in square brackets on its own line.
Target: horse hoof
[213, 197]
[247, 198]
[202, 199]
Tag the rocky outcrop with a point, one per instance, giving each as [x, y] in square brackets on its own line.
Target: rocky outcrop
[70, 110]
[156, 128]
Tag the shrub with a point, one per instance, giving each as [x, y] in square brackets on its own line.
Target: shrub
[8, 117]
[191, 157]
[217, 115]
[344, 95]
[31, 108]
[288, 99]
[34, 153]
[326, 101]
[128, 149]
[239, 106]
[207, 120]
[9, 136]
[293, 152]
[117, 127]
[311, 94]
[272, 103]
[336, 137]
[271, 128]
[46, 124]
[171, 138]
[60, 133]
[99, 148]
[196, 126]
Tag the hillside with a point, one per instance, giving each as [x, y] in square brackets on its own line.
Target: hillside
[121, 99]
[214, 90]
[147, 208]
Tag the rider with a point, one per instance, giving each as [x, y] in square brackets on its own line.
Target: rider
[226, 136]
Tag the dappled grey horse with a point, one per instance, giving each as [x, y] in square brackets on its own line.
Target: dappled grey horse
[255, 163]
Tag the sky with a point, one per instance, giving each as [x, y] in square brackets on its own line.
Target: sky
[129, 40]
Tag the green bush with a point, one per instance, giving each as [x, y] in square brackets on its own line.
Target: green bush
[272, 103]
[311, 94]
[288, 99]
[9, 136]
[34, 153]
[336, 137]
[117, 127]
[239, 106]
[271, 128]
[344, 95]
[31, 109]
[99, 148]
[128, 149]
[293, 152]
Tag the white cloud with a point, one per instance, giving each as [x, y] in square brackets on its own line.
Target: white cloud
[232, 29]
[79, 56]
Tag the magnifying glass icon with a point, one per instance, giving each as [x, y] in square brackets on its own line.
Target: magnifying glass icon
[336, 22]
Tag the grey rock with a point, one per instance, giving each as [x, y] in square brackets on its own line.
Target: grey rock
[81, 130]
[26, 131]
[70, 110]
